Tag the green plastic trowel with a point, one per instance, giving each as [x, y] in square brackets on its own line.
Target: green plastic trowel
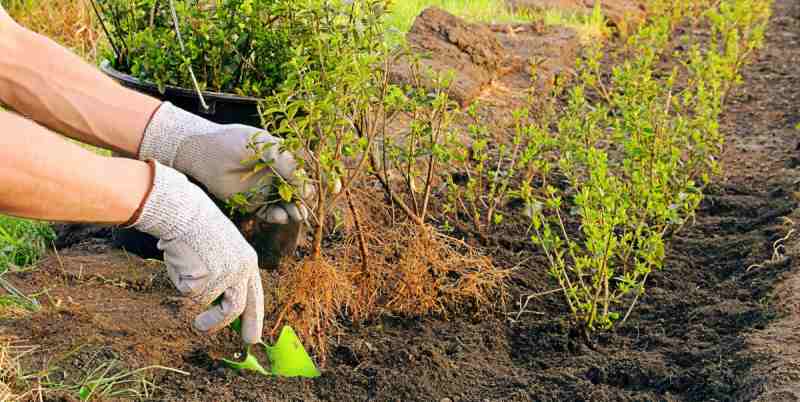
[288, 358]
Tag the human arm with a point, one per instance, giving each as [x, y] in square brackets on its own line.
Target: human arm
[43, 176]
[52, 86]
[49, 84]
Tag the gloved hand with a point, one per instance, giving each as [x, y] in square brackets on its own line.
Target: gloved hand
[205, 254]
[213, 154]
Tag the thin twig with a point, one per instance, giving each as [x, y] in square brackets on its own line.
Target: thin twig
[362, 244]
[394, 197]
[635, 299]
[105, 30]
[531, 297]
[153, 13]
[183, 50]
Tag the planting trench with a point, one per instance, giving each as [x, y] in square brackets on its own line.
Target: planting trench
[720, 322]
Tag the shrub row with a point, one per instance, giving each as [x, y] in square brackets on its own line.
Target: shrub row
[636, 157]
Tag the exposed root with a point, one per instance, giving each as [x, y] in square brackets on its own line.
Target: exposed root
[778, 253]
[312, 294]
[416, 270]
[436, 274]
[409, 270]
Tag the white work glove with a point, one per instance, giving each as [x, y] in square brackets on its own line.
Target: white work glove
[213, 153]
[205, 254]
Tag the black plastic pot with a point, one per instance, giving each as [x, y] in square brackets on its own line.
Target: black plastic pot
[271, 242]
[222, 108]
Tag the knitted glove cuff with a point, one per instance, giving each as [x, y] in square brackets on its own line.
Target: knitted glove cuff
[167, 130]
[136, 214]
[172, 207]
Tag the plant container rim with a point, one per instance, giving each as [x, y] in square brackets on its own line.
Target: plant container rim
[171, 90]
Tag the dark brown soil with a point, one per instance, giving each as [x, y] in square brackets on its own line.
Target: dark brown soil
[713, 327]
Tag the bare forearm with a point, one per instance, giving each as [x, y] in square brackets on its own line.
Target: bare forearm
[43, 176]
[42, 80]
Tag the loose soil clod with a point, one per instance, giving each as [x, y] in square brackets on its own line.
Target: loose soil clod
[488, 62]
[451, 44]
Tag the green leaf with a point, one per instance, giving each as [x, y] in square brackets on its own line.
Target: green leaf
[498, 219]
[286, 192]
[86, 392]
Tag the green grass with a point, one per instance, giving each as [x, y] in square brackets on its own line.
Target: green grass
[109, 380]
[22, 242]
[403, 13]
[588, 26]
